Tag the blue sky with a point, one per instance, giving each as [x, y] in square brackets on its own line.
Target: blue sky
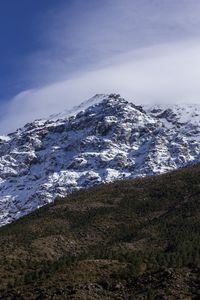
[57, 53]
[20, 37]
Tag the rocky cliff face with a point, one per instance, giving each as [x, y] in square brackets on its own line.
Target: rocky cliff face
[104, 139]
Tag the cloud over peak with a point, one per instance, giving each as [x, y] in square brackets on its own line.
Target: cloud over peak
[146, 50]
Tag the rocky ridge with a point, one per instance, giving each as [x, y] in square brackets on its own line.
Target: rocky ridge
[104, 139]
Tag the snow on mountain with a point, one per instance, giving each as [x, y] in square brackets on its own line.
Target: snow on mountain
[76, 109]
[185, 116]
[104, 139]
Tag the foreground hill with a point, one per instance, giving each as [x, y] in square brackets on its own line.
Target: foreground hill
[104, 139]
[134, 239]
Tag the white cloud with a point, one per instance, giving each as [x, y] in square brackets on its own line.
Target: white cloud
[81, 34]
[146, 50]
[163, 73]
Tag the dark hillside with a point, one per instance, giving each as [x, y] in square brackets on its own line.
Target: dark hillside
[137, 239]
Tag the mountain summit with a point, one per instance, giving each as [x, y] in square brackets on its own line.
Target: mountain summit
[104, 139]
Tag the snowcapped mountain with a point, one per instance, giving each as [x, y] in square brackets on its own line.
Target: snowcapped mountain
[104, 139]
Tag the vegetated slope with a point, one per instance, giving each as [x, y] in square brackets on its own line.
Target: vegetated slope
[104, 139]
[132, 239]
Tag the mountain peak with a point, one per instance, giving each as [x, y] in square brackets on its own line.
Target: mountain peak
[98, 98]
[105, 138]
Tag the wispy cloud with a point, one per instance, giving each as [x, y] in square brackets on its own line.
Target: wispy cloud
[81, 35]
[147, 50]
[167, 73]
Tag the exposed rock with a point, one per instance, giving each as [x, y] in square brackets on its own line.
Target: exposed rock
[104, 139]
